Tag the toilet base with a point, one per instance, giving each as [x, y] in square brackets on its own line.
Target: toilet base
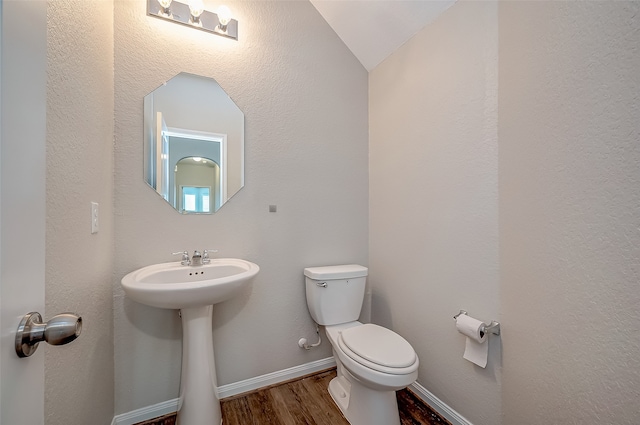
[339, 389]
[364, 406]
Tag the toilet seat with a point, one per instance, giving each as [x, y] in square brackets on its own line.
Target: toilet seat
[379, 349]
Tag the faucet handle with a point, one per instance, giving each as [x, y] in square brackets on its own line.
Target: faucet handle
[205, 255]
[185, 257]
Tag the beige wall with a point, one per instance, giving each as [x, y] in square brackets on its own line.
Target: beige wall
[434, 201]
[79, 266]
[304, 97]
[569, 211]
[566, 214]
[563, 283]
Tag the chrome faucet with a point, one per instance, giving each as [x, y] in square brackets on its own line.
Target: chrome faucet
[196, 260]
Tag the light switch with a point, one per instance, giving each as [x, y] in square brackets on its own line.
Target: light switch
[94, 217]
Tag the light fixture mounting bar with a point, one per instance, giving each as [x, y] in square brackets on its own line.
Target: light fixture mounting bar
[181, 14]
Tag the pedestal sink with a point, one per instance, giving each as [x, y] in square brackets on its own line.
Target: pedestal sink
[193, 290]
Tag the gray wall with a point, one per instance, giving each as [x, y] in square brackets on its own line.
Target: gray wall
[570, 211]
[434, 200]
[554, 256]
[79, 266]
[550, 248]
[304, 97]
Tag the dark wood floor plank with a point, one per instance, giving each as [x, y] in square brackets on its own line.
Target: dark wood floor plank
[322, 413]
[415, 411]
[262, 408]
[297, 402]
[317, 387]
[236, 412]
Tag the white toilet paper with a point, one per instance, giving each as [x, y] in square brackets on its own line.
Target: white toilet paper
[476, 349]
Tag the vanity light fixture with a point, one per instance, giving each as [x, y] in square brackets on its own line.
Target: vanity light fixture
[194, 15]
[196, 8]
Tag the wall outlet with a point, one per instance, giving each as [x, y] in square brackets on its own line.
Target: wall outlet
[94, 218]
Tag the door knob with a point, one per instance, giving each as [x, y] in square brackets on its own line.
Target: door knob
[60, 330]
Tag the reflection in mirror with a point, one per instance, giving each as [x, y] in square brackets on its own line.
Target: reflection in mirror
[193, 144]
[194, 192]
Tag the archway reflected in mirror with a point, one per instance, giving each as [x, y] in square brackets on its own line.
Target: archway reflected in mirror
[197, 183]
[188, 118]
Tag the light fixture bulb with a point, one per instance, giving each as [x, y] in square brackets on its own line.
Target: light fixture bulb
[196, 7]
[224, 16]
[164, 4]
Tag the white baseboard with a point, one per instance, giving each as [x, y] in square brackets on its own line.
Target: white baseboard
[146, 413]
[275, 377]
[438, 405]
[171, 406]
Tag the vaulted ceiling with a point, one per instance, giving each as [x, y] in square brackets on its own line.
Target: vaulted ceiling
[373, 29]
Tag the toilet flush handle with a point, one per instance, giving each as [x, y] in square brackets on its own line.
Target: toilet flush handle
[322, 284]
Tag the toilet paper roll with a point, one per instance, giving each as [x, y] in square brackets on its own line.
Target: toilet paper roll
[470, 327]
[476, 350]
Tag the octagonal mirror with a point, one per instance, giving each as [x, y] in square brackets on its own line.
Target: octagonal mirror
[193, 144]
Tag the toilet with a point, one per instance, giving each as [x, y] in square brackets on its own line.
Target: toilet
[373, 362]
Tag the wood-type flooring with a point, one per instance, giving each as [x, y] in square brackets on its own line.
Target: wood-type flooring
[305, 401]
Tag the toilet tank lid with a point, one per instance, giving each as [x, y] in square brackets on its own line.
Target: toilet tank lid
[346, 271]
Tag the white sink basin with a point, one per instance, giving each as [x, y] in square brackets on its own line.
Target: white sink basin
[174, 286]
[193, 290]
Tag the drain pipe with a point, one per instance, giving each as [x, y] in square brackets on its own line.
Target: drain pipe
[302, 343]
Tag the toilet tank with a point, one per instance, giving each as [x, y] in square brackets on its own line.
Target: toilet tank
[335, 293]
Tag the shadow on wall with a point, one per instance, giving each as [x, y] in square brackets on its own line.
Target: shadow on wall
[166, 324]
[495, 356]
[383, 312]
[156, 322]
[494, 361]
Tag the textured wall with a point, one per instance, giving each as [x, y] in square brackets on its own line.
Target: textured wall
[570, 211]
[434, 201]
[79, 265]
[304, 96]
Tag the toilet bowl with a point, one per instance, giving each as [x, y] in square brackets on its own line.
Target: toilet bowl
[373, 362]
[370, 373]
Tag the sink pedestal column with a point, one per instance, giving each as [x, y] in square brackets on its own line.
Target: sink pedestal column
[199, 402]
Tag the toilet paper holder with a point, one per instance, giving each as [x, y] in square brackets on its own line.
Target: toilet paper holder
[492, 328]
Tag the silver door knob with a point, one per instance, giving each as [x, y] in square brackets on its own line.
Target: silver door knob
[60, 330]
